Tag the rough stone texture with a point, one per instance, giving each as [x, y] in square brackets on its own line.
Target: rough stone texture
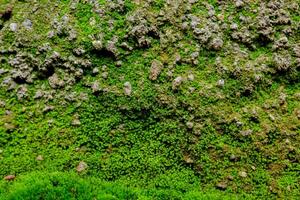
[243, 174]
[127, 88]
[216, 44]
[55, 82]
[98, 45]
[39, 158]
[13, 27]
[177, 82]
[95, 87]
[27, 23]
[9, 177]
[155, 70]
[81, 167]
[221, 186]
[221, 83]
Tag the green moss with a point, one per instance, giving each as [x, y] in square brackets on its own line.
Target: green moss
[66, 186]
[141, 142]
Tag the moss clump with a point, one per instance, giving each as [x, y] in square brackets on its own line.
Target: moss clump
[67, 186]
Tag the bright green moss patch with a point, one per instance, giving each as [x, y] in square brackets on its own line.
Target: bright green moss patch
[67, 186]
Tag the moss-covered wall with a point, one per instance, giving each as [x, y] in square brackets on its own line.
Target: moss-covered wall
[181, 95]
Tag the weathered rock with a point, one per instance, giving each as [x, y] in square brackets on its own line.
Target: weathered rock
[9, 177]
[216, 44]
[233, 158]
[22, 75]
[111, 47]
[39, 158]
[185, 26]
[48, 108]
[191, 77]
[272, 118]
[8, 112]
[246, 132]
[27, 23]
[194, 21]
[297, 62]
[281, 43]
[79, 51]
[55, 82]
[127, 88]
[282, 62]
[229, 177]
[51, 34]
[72, 34]
[119, 63]
[282, 99]
[155, 70]
[81, 167]
[78, 75]
[243, 174]
[104, 68]
[195, 55]
[76, 122]
[104, 75]
[188, 159]
[22, 92]
[221, 186]
[126, 46]
[96, 87]
[211, 12]
[95, 70]
[193, 1]
[296, 51]
[190, 125]
[39, 94]
[83, 96]
[203, 34]
[2, 104]
[243, 36]
[98, 45]
[45, 47]
[221, 83]
[2, 71]
[177, 82]
[234, 26]
[9, 83]
[170, 73]
[239, 3]
[13, 27]
[192, 89]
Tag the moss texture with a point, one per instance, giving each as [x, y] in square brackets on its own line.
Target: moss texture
[169, 99]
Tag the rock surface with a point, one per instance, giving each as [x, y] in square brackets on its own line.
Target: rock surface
[81, 167]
